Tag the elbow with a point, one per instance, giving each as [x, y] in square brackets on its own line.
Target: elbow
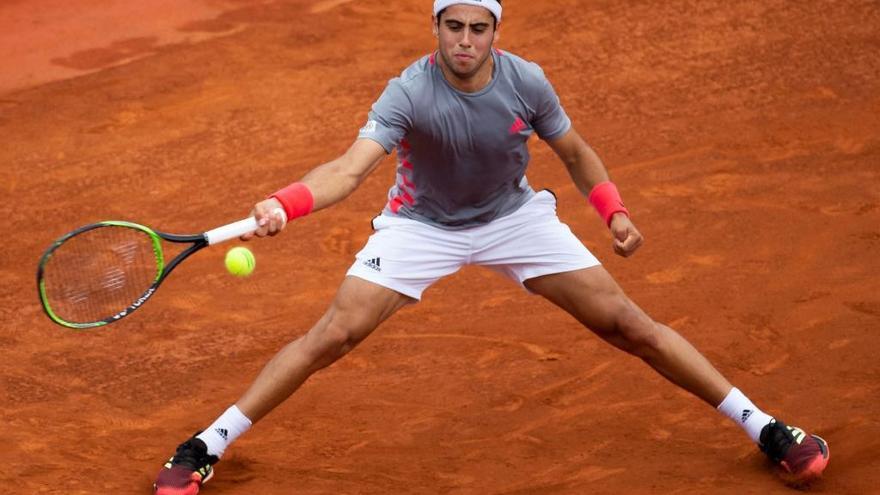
[348, 180]
[574, 160]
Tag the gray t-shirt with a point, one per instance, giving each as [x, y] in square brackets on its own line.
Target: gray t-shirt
[462, 156]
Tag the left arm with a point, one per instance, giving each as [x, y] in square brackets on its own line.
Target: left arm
[586, 171]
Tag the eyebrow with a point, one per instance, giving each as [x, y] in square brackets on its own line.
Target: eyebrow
[473, 24]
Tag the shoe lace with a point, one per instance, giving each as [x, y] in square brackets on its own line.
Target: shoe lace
[191, 456]
[776, 440]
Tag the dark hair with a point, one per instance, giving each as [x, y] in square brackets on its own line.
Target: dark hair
[494, 19]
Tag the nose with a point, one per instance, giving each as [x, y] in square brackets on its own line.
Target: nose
[465, 41]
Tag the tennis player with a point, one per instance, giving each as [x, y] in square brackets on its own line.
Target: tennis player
[459, 120]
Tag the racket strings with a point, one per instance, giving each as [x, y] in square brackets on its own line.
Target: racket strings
[98, 273]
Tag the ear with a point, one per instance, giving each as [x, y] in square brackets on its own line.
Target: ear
[434, 28]
[497, 35]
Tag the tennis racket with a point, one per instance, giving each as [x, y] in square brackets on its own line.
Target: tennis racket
[102, 272]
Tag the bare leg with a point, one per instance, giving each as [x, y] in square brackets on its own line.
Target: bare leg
[359, 307]
[595, 300]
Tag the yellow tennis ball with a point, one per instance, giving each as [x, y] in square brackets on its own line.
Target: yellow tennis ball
[240, 261]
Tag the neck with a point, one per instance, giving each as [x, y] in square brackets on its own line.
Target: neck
[473, 83]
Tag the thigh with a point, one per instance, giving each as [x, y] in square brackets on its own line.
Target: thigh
[360, 306]
[408, 256]
[590, 295]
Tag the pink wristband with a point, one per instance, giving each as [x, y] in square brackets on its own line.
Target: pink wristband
[296, 199]
[606, 199]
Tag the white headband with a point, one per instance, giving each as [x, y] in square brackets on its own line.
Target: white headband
[492, 5]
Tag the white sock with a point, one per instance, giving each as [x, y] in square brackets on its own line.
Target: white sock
[740, 409]
[222, 432]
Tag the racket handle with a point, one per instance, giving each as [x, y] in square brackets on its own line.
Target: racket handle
[236, 229]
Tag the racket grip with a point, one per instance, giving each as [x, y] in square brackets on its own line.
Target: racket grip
[236, 229]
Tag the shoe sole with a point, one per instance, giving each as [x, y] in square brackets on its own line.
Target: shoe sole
[813, 470]
[201, 483]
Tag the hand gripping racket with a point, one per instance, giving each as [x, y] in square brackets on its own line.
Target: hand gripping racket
[102, 272]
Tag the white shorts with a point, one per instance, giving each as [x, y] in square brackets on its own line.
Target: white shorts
[408, 256]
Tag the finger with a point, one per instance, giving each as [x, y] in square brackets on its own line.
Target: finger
[263, 221]
[262, 227]
[631, 243]
[282, 217]
[627, 247]
[271, 224]
[631, 251]
[639, 243]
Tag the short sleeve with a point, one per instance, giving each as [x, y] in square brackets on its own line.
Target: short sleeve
[550, 120]
[390, 118]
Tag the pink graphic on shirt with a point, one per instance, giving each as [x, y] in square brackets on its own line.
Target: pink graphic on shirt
[518, 125]
[407, 183]
[406, 197]
[395, 204]
[405, 188]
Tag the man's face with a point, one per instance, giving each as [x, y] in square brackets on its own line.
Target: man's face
[466, 34]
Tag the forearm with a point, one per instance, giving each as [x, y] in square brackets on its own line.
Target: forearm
[585, 168]
[332, 182]
[589, 175]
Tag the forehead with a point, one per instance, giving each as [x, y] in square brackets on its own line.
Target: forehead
[467, 14]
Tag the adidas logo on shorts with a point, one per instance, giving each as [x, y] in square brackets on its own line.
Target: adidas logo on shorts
[374, 264]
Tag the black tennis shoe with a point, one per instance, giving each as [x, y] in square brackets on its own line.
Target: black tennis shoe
[189, 469]
[803, 457]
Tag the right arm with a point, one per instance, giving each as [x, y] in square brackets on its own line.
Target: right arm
[333, 181]
[329, 184]
[389, 121]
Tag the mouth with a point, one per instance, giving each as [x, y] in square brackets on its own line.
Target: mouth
[463, 57]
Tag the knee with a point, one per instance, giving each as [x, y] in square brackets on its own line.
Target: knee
[634, 332]
[332, 339]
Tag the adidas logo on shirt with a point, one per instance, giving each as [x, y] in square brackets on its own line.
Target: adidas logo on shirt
[375, 264]
[518, 126]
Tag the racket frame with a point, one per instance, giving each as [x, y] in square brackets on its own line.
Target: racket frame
[199, 241]
[162, 269]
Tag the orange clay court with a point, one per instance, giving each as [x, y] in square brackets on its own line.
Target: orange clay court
[745, 137]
